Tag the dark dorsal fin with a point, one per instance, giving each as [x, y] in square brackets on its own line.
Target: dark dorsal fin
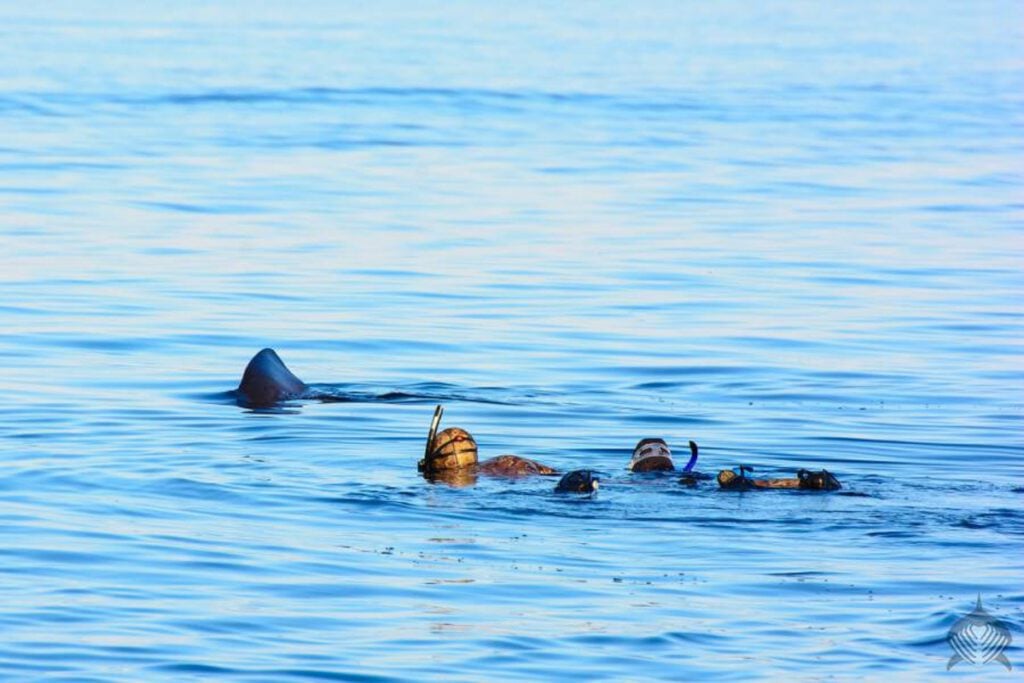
[267, 381]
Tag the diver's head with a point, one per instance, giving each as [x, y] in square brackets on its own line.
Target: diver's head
[448, 450]
[736, 479]
[578, 481]
[452, 449]
[651, 455]
[727, 478]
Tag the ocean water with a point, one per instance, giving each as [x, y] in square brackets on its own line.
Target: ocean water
[791, 232]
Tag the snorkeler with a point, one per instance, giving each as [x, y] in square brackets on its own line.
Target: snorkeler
[737, 480]
[654, 455]
[451, 456]
[578, 481]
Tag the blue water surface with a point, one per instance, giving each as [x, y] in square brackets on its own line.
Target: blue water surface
[789, 231]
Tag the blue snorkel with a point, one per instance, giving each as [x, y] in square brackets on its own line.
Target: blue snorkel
[693, 457]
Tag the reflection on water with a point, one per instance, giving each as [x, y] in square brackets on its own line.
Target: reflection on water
[457, 478]
[792, 236]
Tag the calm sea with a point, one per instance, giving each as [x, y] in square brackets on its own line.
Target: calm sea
[790, 231]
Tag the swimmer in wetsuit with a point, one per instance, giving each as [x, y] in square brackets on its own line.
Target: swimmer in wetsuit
[737, 480]
[451, 456]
